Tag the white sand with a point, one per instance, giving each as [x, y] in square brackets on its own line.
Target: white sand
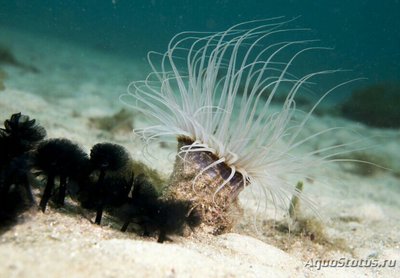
[75, 84]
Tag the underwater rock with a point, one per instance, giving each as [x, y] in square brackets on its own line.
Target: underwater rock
[375, 105]
[3, 76]
[8, 58]
[120, 121]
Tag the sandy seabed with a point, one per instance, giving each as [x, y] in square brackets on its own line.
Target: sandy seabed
[75, 85]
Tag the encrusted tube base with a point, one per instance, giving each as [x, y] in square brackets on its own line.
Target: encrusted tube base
[213, 198]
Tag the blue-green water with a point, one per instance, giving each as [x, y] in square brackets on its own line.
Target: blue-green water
[365, 34]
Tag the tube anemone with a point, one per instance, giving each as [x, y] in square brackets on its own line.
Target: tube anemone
[214, 93]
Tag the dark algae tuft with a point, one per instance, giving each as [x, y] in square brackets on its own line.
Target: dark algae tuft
[105, 181]
[154, 214]
[17, 140]
[59, 158]
[104, 158]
